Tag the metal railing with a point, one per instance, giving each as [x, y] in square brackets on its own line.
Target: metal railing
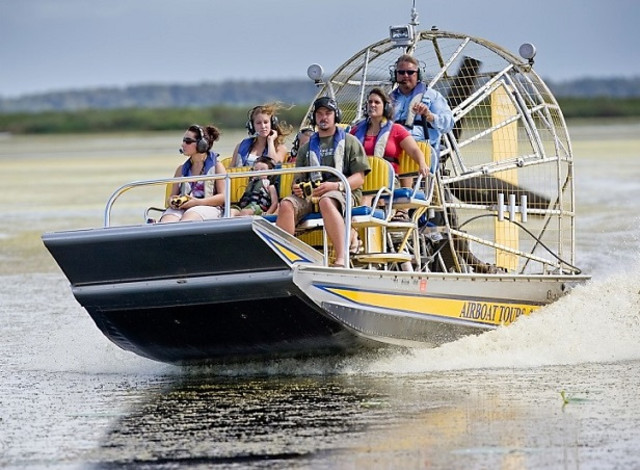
[227, 177]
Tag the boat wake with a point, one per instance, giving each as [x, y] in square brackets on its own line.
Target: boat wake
[598, 322]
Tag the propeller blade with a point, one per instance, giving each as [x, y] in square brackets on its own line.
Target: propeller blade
[482, 189]
[485, 189]
[462, 86]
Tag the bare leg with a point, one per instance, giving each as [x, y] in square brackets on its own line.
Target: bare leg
[168, 218]
[286, 217]
[334, 225]
[191, 216]
[402, 214]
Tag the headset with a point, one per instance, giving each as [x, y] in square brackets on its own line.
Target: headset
[393, 71]
[202, 145]
[251, 128]
[325, 102]
[296, 142]
[387, 111]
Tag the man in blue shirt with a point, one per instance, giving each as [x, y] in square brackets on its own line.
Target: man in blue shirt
[423, 111]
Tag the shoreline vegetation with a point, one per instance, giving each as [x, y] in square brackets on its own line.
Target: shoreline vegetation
[234, 117]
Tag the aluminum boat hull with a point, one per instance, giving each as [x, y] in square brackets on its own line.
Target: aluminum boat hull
[241, 289]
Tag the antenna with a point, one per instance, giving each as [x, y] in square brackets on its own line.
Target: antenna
[414, 15]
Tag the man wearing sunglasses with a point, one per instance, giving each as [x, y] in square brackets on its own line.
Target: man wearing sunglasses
[423, 111]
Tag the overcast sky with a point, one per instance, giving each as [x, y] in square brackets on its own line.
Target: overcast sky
[48, 45]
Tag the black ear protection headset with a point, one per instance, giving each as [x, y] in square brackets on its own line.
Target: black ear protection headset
[202, 145]
[296, 142]
[387, 111]
[251, 128]
[325, 102]
[394, 69]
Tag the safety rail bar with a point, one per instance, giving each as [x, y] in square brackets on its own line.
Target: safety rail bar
[227, 196]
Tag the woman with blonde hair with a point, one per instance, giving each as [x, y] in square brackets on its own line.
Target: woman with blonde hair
[266, 137]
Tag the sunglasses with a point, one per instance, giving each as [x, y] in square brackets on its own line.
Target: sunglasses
[189, 140]
[406, 72]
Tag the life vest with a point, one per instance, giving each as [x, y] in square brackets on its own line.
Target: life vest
[244, 150]
[360, 131]
[414, 98]
[201, 189]
[314, 155]
[257, 192]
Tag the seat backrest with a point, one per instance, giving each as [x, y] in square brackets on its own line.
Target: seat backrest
[407, 166]
[226, 161]
[285, 181]
[381, 175]
[238, 185]
[167, 193]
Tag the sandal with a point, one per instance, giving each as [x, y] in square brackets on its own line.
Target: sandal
[355, 244]
[401, 215]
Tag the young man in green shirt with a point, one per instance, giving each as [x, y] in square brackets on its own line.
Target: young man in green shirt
[330, 146]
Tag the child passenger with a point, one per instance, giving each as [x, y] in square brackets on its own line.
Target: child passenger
[261, 196]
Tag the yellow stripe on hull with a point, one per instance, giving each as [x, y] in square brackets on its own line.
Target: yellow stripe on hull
[490, 313]
[288, 253]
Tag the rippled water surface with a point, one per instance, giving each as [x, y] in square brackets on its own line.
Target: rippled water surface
[555, 390]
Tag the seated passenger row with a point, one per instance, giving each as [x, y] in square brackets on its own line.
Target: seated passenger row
[330, 145]
[203, 200]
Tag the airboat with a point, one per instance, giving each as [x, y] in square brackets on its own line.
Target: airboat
[491, 235]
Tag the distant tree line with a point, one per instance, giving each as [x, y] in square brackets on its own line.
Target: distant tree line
[596, 87]
[248, 93]
[228, 93]
[170, 107]
[227, 117]
[116, 120]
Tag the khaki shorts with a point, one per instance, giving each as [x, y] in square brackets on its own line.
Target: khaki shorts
[303, 207]
[205, 212]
